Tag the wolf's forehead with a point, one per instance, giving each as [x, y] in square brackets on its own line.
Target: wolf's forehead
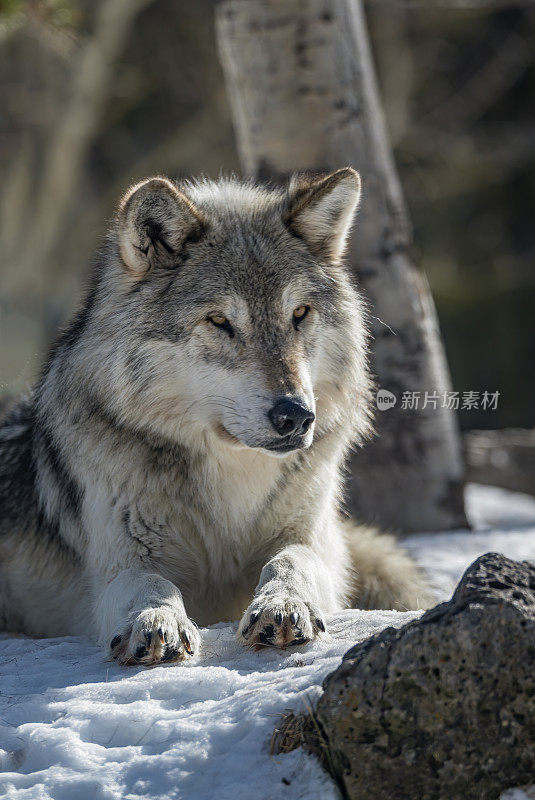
[259, 268]
[247, 249]
[250, 257]
[245, 289]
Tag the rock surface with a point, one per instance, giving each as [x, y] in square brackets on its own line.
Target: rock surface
[445, 706]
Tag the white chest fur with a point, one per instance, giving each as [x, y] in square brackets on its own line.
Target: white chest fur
[205, 533]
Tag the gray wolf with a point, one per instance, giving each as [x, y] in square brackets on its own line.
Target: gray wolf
[179, 462]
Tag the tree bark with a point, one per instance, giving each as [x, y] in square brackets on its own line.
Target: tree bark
[303, 92]
[40, 228]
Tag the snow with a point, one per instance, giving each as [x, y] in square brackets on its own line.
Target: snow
[502, 521]
[75, 727]
[519, 794]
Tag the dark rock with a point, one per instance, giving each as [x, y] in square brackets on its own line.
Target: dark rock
[445, 706]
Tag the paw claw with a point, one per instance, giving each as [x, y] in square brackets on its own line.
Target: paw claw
[186, 642]
[154, 636]
[284, 621]
[297, 641]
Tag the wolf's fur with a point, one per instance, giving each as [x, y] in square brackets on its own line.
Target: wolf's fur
[140, 483]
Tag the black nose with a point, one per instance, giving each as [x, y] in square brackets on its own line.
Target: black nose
[290, 416]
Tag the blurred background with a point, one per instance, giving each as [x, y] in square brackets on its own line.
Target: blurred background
[79, 123]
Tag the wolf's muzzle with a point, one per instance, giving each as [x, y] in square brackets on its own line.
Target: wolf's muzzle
[293, 421]
[291, 417]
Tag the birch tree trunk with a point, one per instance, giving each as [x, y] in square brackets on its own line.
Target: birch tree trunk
[73, 135]
[303, 92]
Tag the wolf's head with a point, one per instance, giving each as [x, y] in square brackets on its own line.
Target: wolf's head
[227, 317]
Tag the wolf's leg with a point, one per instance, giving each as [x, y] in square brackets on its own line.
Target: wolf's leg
[141, 617]
[295, 589]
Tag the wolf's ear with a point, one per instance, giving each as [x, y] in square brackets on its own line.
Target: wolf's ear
[155, 218]
[321, 211]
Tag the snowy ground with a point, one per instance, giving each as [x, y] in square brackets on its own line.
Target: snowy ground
[74, 727]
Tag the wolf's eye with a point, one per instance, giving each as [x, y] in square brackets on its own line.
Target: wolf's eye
[221, 322]
[299, 314]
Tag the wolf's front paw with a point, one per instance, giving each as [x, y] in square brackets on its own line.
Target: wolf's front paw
[279, 621]
[156, 636]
